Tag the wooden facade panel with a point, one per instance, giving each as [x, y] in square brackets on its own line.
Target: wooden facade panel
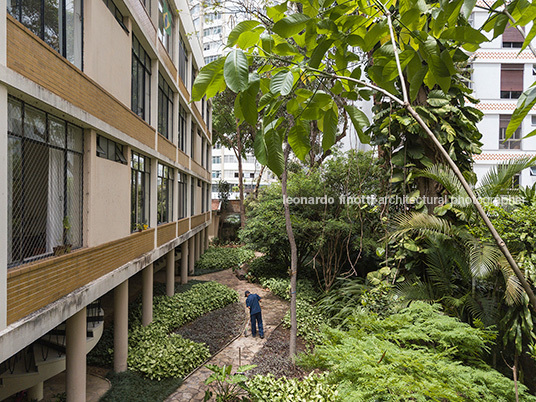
[198, 115]
[166, 233]
[183, 90]
[167, 148]
[183, 159]
[198, 220]
[197, 168]
[164, 56]
[184, 226]
[33, 286]
[42, 65]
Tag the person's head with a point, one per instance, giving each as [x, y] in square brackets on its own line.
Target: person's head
[247, 293]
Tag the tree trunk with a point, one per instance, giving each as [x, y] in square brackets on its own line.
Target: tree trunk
[293, 258]
[258, 184]
[240, 175]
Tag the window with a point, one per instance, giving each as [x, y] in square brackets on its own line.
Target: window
[141, 81]
[216, 30]
[216, 174]
[183, 60]
[533, 120]
[192, 142]
[111, 150]
[182, 128]
[250, 159]
[195, 9]
[206, 46]
[192, 196]
[210, 59]
[511, 81]
[59, 24]
[515, 181]
[229, 159]
[140, 190]
[216, 160]
[228, 174]
[183, 196]
[116, 13]
[147, 5]
[203, 195]
[203, 102]
[207, 117]
[471, 20]
[514, 142]
[44, 183]
[217, 145]
[165, 194]
[207, 155]
[165, 26]
[194, 76]
[534, 69]
[512, 38]
[212, 17]
[203, 151]
[236, 175]
[165, 108]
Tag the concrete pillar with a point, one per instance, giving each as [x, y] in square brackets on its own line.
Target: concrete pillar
[121, 327]
[197, 246]
[76, 333]
[36, 392]
[206, 237]
[170, 273]
[191, 255]
[3, 181]
[184, 263]
[147, 295]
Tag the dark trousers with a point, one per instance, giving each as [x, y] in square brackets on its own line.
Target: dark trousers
[256, 319]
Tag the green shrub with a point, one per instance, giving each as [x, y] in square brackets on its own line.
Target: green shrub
[309, 321]
[418, 354]
[266, 267]
[305, 289]
[312, 388]
[157, 354]
[220, 258]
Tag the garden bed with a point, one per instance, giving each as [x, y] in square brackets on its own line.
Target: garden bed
[216, 328]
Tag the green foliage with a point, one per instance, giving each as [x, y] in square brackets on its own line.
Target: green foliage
[220, 258]
[226, 386]
[267, 268]
[314, 387]
[309, 321]
[418, 354]
[305, 290]
[157, 352]
[134, 387]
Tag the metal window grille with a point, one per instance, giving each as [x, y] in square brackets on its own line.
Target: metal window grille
[45, 156]
[140, 190]
[141, 81]
[165, 194]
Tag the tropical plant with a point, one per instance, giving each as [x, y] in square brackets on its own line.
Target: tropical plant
[225, 385]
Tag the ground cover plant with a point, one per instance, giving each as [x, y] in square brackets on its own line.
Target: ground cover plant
[220, 258]
[418, 354]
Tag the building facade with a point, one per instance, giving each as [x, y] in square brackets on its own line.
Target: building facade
[500, 75]
[105, 166]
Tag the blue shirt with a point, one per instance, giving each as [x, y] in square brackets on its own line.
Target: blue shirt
[252, 302]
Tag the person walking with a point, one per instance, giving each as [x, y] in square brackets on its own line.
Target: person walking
[252, 302]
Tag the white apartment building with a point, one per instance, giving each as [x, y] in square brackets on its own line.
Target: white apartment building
[500, 75]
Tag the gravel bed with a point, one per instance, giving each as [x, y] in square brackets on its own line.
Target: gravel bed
[274, 356]
[216, 328]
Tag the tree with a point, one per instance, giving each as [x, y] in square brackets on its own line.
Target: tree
[319, 45]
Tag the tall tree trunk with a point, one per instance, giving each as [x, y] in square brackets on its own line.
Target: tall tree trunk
[240, 175]
[293, 258]
[258, 183]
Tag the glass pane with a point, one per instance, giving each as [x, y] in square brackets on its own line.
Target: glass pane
[73, 225]
[75, 139]
[55, 187]
[73, 34]
[31, 16]
[14, 112]
[52, 26]
[56, 132]
[14, 200]
[34, 123]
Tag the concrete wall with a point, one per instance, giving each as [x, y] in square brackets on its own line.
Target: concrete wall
[107, 50]
[484, 73]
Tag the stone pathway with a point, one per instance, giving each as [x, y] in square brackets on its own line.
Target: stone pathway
[242, 350]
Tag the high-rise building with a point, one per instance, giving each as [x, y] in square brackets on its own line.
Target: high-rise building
[105, 171]
[500, 75]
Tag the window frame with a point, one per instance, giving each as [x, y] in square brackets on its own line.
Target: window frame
[165, 102]
[144, 66]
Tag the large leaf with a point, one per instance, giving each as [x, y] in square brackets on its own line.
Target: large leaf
[259, 146]
[290, 25]
[298, 139]
[242, 28]
[319, 52]
[235, 70]
[282, 82]
[274, 156]
[328, 125]
[360, 122]
[530, 36]
[248, 100]
[524, 104]
[209, 81]
[437, 98]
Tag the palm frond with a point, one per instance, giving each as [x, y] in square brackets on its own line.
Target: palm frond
[422, 224]
[415, 289]
[498, 180]
[444, 175]
[483, 258]
[514, 292]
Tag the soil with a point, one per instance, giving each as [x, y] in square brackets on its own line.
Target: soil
[216, 328]
[274, 356]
